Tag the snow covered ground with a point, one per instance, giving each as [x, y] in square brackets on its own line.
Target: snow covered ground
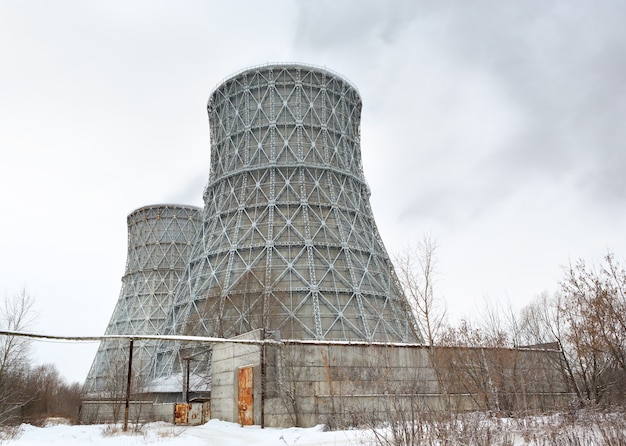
[590, 428]
[214, 433]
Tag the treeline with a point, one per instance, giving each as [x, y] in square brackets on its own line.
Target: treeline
[29, 394]
[32, 395]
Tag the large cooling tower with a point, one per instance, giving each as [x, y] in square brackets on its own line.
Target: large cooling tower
[160, 238]
[288, 239]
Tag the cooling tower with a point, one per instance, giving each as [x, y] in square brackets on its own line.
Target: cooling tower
[160, 238]
[288, 240]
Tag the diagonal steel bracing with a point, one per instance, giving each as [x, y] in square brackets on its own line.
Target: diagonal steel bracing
[288, 240]
[160, 238]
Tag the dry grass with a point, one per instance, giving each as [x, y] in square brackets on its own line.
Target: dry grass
[8, 433]
[111, 430]
[579, 428]
[170, 432]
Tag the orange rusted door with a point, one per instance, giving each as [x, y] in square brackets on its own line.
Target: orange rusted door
[180, 413]
[245, 399]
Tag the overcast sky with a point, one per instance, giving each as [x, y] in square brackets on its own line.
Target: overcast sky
[496, 127]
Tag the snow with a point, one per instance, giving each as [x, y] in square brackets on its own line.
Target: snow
[173, 383]
[590, 428]
[213, 433]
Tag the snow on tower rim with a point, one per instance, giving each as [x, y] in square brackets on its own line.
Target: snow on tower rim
[281, 65]
[165, 206]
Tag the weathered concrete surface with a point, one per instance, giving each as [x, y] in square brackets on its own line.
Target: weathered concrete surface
[227, 359]
[309, 384]
[305, 384]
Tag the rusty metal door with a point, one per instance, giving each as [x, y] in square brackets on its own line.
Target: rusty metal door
[194, 415]
[180, 413]
[245, 399]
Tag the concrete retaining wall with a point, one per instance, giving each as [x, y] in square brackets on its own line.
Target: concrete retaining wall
[310, 384]
[100, 412]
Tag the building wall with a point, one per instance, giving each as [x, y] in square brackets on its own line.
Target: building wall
[101, 411]
[98, 411]
[503, 379]
[341, 385]
[227, 359]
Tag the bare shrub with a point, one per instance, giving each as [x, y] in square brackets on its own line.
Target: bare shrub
[8, 433]
[170, 432]
[287, 376]
[582, 427]
[111, 430]
[438, 428]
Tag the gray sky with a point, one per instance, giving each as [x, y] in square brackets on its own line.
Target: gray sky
[497, 127]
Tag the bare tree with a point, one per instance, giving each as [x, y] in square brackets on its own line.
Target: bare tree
[499, 324]
[586, 318]
[593, 308]
[417, 270]
[537, 321]
[488, 363]
[468, 364]
[48, 395]
[612, 309]
[16, 314]
[544, 323]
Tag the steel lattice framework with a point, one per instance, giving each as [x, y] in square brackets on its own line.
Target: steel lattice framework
[288, 239]
[160, 238]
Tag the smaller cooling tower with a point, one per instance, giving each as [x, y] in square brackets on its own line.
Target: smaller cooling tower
[160, 238]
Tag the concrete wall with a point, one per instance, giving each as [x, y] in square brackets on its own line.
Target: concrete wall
[98, 411]
[104, 412]
[226, 361]
[340, 385]
[343, 385]
[503, 379]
